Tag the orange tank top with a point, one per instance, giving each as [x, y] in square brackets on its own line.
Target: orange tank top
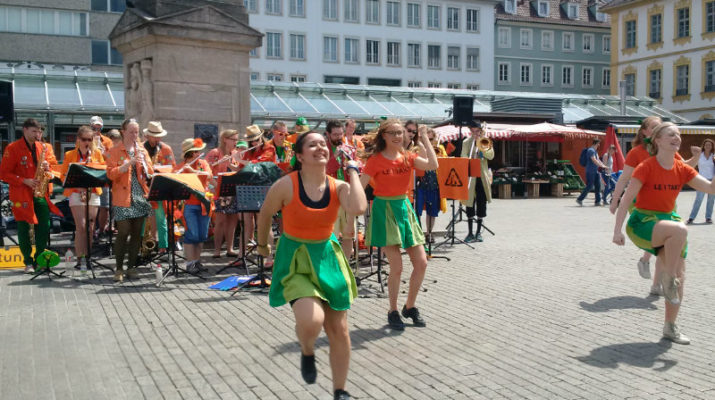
[303, 222]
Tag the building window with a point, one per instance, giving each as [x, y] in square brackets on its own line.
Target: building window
[709, 76]
[433, 56]
[630, 84]
[453, 53]
[525, 38]
[275, 77]
[393, 13]
[393, 53]
[330, 49]
[253, 52]
[297, 47]
[432, 17]
[42, 21]
[503, 73]
[656, 28]
[630, 34]
[330, 9]
[297, 78]
[504, 37]
[352, 11]
[682, 73]
[452, 18]
[587, 77]
[510, 6]
[345, 80]
[606, 44]
[454, 86]
[372, 52]
[297, 9]
[413, 55]
[525, 76]
[255, 76]
[384, 82]
[547, 75]
[543, 8]
[606, 78]
[372, 11]
[547, 40]
[414, 84]
[434, 85]
[472, 58]
[683, 22]
[103, 54]
[251, 5]
[352, 50]
[273, 45]
[710, 17]
[109, 5]
[600, 17]
[655, 78]
[573, 11]
[273, 7]
[472, 86]
[413, 15]
[472, 20]
[588, 40]
[567, 76]
[567, 41]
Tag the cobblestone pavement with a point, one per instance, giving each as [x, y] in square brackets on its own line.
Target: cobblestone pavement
[547, 308]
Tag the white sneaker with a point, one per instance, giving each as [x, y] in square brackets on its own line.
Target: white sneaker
[656, 290]
[29, 269]
[644, 268]
[672, 333]
[670, 289]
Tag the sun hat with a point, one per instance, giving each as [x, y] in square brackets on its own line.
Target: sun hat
[154, 129]
[253, 132]
[192, 145]
[301, 125]
[96, 120]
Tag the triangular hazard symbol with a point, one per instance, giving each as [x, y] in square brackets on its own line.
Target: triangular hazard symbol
[453, 179]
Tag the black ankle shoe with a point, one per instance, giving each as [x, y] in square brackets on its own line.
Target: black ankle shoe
[394, 320]
[414, 313]
[340, 394]
[307, 368]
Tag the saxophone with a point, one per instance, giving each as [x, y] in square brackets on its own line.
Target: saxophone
[148, 242]
[287, 150]
[41, 176]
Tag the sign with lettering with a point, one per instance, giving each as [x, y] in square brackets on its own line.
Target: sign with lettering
[453, 176]
[11, 257]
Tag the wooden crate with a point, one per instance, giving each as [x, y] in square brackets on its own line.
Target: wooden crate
[505, 191]
[557, 189]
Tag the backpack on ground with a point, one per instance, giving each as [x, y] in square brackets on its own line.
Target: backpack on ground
[583, 159]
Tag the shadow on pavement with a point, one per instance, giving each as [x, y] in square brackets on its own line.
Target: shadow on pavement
[621, 303]
[358, 337]
[643, 355]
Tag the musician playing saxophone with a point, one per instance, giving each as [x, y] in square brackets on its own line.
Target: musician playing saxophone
[160, 154]
[21, 163]
[128, 167]
[85, 152]
[480, 188]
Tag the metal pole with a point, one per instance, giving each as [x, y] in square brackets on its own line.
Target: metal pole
[622, 93]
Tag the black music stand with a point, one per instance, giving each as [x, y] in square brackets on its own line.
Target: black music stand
[227, 187]
[85, 177]
[249, 199]
[165, 188]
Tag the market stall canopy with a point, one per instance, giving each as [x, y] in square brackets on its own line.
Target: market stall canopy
[544, 131]
[684, 129]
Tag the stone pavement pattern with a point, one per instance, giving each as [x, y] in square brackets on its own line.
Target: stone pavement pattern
[548, 308]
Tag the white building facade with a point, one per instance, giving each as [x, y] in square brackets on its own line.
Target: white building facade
[666, 50]
[415, 43]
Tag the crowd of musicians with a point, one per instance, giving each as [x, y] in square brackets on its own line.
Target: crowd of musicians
[319, 199]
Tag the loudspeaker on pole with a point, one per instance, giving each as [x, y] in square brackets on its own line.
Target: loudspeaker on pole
[7, 109]
[462, 108]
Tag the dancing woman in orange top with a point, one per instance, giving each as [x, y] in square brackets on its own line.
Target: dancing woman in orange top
[85, 152]
[310, 270]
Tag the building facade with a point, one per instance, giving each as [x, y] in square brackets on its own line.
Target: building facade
[552, 46]
[666, 50]
[415, 43]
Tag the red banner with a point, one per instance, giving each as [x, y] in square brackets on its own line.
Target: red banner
[453, 176]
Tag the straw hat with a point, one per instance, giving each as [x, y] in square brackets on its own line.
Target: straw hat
[154, 129]
[301, 125]
[192, 145]
[96, 120]
[253, 132]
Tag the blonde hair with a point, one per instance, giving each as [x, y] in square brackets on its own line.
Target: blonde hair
[82, 130]
[658, 132]
[222, 138]
[644, 126]
[378, 143]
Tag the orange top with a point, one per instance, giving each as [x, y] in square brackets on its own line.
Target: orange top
[390, 177]
[639, 154]
[661, 186]
[265, 153]
[72, 156]
[121, 181]
[303, 222]
[164, 156]
[202, 166]
[356, 142]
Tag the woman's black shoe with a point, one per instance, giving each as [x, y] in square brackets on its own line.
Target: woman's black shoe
[394, 320]
[307, 368]
[414, 313]
[340, 394]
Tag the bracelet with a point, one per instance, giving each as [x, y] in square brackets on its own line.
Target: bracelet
[262, 245]
[349, 167]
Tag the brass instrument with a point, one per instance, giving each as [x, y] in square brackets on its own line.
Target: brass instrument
[148, 242]
[287, 150]
[41, 176]
[484, 144]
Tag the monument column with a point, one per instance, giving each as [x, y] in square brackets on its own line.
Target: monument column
[186, 64]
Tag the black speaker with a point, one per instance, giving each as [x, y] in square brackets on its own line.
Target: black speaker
[7, 112]
[462, 107]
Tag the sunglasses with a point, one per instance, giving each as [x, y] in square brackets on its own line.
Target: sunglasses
[84, 139]
[232, 138]
[412, 130]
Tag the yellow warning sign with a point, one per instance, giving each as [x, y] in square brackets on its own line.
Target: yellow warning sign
[11, 257]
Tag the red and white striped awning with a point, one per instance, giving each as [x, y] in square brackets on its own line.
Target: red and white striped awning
[511, 131]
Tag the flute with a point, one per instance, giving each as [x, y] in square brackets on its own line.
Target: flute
[240, 153]
[190, 163]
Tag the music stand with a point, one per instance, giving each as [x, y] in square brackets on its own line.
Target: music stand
[227, 187]
[249, 199]
[170, 188]
[84, 176]
[3, 230]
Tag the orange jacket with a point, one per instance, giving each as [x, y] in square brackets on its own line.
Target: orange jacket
[121, 181]
[17, 165]
[72, 156]
[262, 154]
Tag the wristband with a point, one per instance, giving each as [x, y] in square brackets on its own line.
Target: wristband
[262, 245]
[349, 167]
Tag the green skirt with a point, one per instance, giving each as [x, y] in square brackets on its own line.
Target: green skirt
[312, 268]
[393, 222]
[640, 228]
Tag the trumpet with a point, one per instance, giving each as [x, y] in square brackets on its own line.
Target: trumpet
[484, 144]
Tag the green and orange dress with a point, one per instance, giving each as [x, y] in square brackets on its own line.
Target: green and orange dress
[309, 261]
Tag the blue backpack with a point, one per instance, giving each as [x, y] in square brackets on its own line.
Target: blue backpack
[583, 159]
